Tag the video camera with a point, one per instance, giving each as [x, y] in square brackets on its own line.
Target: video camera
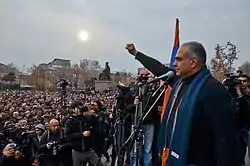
[124, 95]
[63, 83]
[123, 88]
[142, 78]
[232, 79]
[54, 146]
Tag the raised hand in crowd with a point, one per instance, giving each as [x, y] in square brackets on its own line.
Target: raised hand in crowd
[9, 151]
[86, 133]
[131, 49]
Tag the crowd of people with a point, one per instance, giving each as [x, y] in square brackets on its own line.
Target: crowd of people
[29, 118]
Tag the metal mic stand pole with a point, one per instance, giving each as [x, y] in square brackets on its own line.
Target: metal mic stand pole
[121, 136]
[149, 110]
[132, 138]
[136, 143]
[119, 133]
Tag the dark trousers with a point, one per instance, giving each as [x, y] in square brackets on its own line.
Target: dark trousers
[52, 162]
[80, 158]
[242, 147]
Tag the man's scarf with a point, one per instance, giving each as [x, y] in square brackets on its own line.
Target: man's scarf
[179, 143]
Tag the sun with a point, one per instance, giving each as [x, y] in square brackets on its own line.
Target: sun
[83, 36]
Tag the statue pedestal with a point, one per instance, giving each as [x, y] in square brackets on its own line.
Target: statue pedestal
[101, 85]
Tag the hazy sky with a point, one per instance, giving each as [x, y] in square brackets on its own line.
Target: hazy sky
[36, 31]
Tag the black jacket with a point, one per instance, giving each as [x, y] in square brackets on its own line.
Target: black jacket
[153, 116]
[75, 126]
[243, 117]
[4, 161]
[213, 133]
[59, 139]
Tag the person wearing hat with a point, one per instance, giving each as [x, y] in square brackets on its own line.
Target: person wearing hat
[40, 129]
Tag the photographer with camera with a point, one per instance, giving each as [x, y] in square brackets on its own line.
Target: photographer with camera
[243, 115]
[79, 131]
[100, 129]
[151, 121]
[9, 156]
[53, 144]
[21, 135]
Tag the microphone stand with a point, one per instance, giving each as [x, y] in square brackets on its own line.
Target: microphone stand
[136, 134]
[119, 134]
[137, 144]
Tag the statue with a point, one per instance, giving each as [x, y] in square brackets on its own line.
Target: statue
[105, 75]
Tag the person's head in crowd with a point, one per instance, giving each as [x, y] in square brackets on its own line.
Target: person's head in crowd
[32, 113]
[15, 115]
[191, 58]
[99, 105]
[8, 124]
[93, 106]
[46, 114]
[144, 73]
[4, 115]
[24, 104]
[54, 125]
[245, 80]
[21, 115]
[40, 129]
[245, 83]
[12, 110]
[46, 125]
[9, 150]
[75, 108]
[27, 114]
[23, 123]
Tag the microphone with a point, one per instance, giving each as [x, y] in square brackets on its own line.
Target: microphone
[165, 77]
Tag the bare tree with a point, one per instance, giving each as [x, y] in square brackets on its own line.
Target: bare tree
[32, 69]
[224, 59]
[245, 67]
[117, 77]
[91, 67]
[78, 75]
[12, 68]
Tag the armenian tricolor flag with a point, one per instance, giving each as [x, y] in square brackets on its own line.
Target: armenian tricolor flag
[172, 59]
[176, 44]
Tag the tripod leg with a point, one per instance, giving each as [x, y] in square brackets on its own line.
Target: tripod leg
[140, 154]
[121, 140]
[113, 156]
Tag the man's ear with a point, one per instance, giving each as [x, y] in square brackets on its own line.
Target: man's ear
[194, 63]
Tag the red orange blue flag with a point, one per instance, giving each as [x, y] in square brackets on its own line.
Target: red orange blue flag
[172, 59]
[176, 44]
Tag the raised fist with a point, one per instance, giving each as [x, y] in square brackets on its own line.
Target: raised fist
[131, 49]
[86, 133]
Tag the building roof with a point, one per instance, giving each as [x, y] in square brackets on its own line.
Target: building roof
[60, 62]
[3, 68]
[43, 66]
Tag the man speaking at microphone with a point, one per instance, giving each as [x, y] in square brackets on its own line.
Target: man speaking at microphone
[198, 127]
